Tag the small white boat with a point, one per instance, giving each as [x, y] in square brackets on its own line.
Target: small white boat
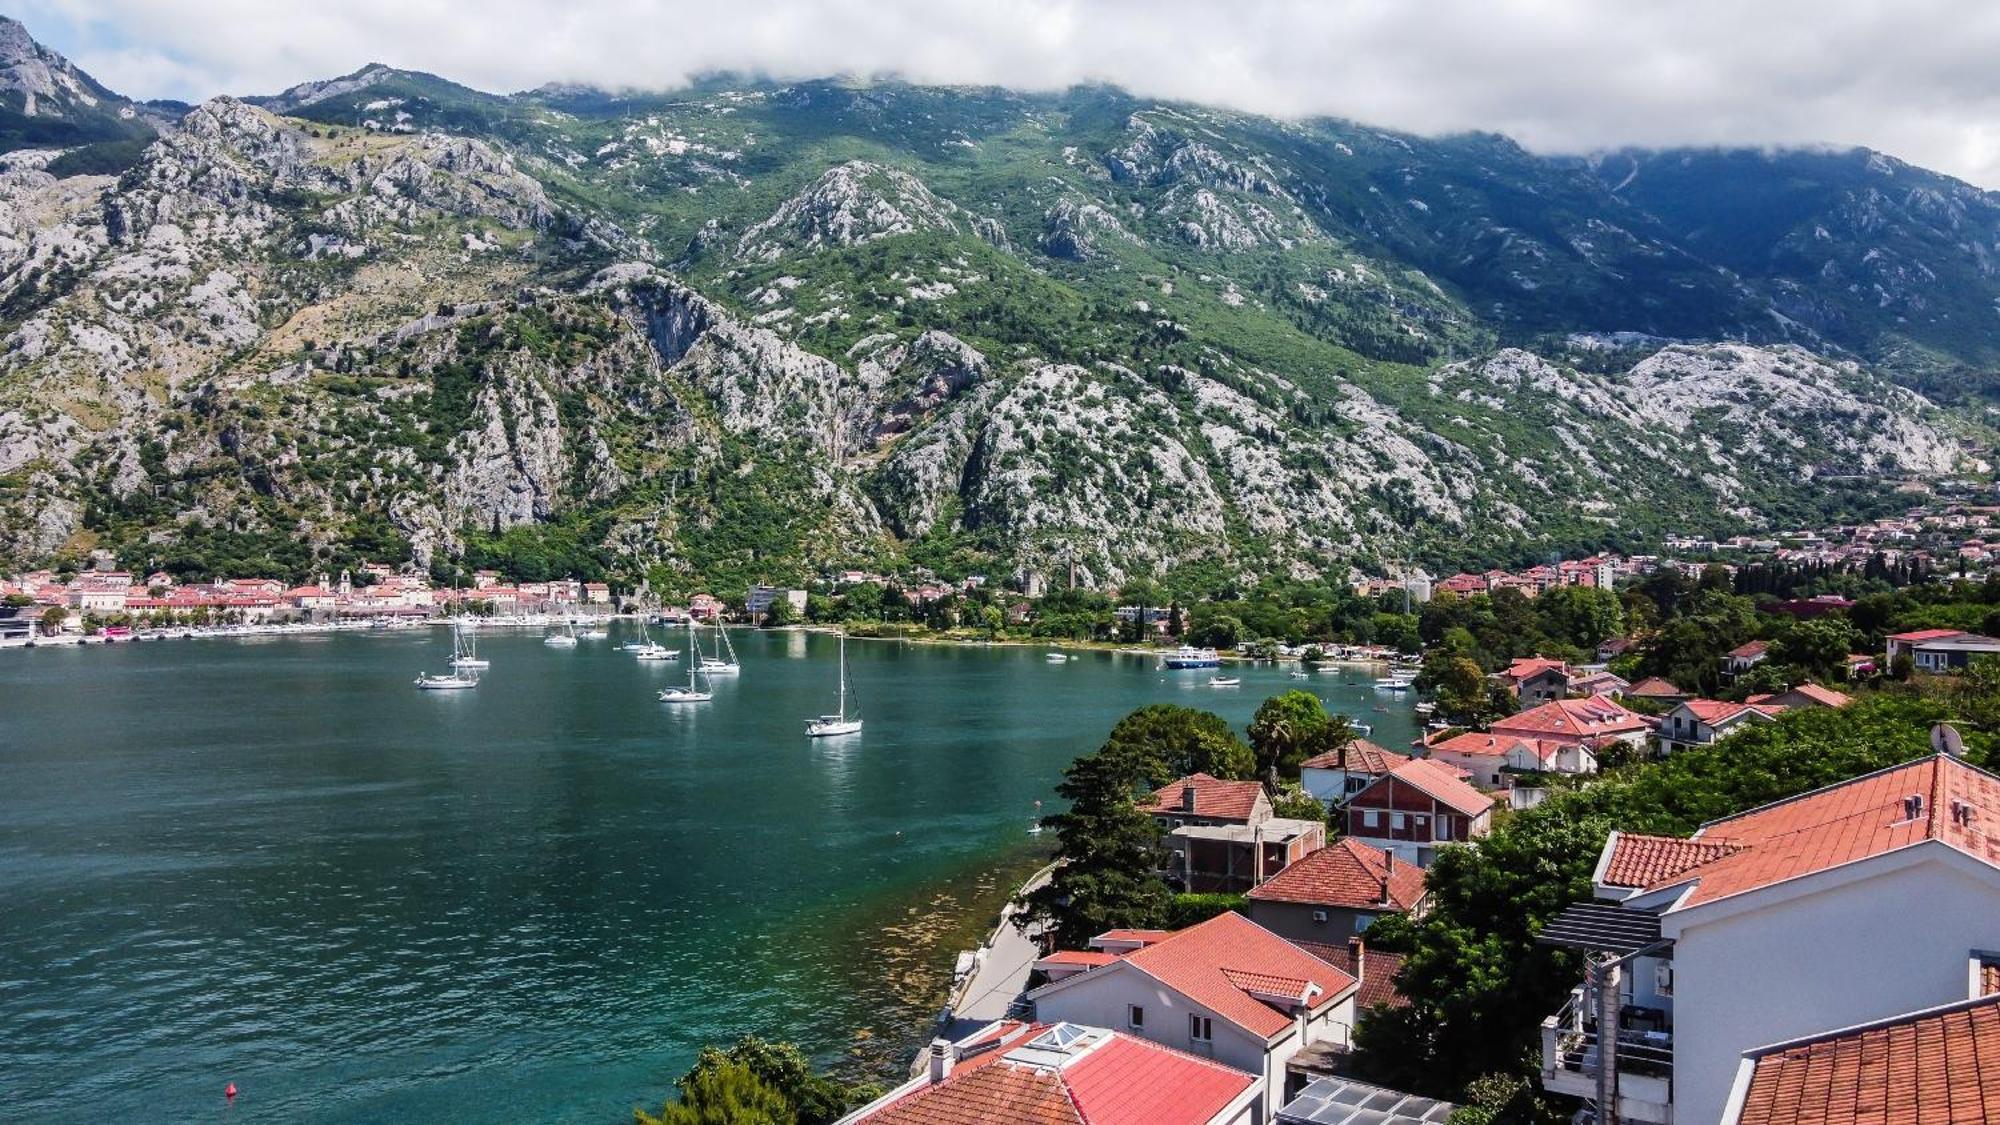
[1393, 683]
[840, 722]
[697, 690]
[464, 657]
[1302, 675]
[646, 648]
[564, 639]
[454, 681]
[1425, 708]
[1057, 658]
[593, 633]
[1359, 727]
[1224, 681]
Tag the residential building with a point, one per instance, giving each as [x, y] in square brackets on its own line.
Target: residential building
[1745, 656]
[704, 607]
[1699, 722]
[1536, 679]
[1375, 970]
[1416, 808]
[1593, 723]
[1491, 759]
[1935, 1065]
[1901, 644]
[1614, 647]
[1854, 903]
[1803, 696]
[1951, 653]
[1657, 690]
[1336, 775]
[1226, 989]
[1336, 891]
[1065, 1074]
[1601, 682]
[1223, 836]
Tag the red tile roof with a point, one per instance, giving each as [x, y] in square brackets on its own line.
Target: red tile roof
[1119, 1080]
[1638, 860]
[1363, 756]
[1529, 667]
[1193, 962]
[1717, 712]
[1927, 635]
[1088, 958]
[1145, 936]
[1935, 1067]
[1213, 797]
[1749, 649]
[1598, 716]
[1480, 744]
[1824, 696]
[1653, 687]
[1378, 976]
[1437, 781]
[1346, 874]
[1843, 823]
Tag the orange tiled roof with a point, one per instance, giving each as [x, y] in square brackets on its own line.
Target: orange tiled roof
[1438, 781]
[1594, 717]
[1638, 860]
[1485, 745]
[1653, 687]
[1378, 976]
[1854, 820]
[1528, 667]
[1213, 797]
[1936, 1067]
[1927, 635]
[1147, 936]
[1749, 649]
[1715, 712]
[1120, 1081]
[1824, 696]
[1088, 958]
[1363, 756]
[1347, 874]
[1192, 963]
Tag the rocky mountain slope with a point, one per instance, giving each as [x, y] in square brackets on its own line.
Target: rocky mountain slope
[742, 331]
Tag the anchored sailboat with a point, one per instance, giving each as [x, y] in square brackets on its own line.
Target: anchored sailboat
[564, 639]
[716, 665]
[463, 655]
[840, 722]
[646, 648]
[696, 690]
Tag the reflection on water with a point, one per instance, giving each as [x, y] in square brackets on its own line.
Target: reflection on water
[277, 864]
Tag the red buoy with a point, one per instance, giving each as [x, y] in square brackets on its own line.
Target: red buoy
[229, 1091]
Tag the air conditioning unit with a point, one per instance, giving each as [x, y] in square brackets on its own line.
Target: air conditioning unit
[1663, 978]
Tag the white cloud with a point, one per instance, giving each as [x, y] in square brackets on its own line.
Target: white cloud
[1915, 78]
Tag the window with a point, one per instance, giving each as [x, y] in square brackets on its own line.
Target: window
[1201, 1029]
[1371, 819]
[1319, 915]
[1362, 922]
[1395, 822]
[1135, 1017]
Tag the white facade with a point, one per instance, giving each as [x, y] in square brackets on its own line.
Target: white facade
[1105, 998]
[1854, 943]
[1333, 786]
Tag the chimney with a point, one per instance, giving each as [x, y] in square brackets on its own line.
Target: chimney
[1913, 806]
[1187, 797]
[1358, 951]
[1388, 869]
[941, 1060]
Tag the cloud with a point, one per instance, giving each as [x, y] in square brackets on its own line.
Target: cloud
[1915, 78]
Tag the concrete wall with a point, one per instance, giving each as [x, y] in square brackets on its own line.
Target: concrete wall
[1840, 949]
[1294, 921]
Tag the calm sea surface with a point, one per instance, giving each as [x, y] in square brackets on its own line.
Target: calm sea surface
[273, 862]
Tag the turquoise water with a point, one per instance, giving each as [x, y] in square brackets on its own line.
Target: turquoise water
[272, 862]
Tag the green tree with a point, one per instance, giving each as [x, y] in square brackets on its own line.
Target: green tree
[1111, 855]
[1818, 646]
[1458, 687]
[53, 619]
[1167, 741]
[1283, 732]
[813, 1098]
[1581, 617]
[726, 1094]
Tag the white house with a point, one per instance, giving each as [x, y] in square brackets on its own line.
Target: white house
[1857, 902]
[1226, 989]
[1699, 722]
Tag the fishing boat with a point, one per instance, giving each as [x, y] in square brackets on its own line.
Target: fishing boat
[720, 665]
[697, 690]
[1187, 656]
[840, 722]
[564, 639]
[451, 681]
[1224, 681]
[463, 655]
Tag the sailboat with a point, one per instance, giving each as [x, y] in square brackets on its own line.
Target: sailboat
[840, 722]
[696, 690]
[564, 639]
[463, 655]
[593, 633]
[458, 679]
[646, 648]
[716, 665]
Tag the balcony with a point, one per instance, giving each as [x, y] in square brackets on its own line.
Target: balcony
[1645, 1058]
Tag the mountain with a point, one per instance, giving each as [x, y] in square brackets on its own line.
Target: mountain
[47, 102]
[746, 330]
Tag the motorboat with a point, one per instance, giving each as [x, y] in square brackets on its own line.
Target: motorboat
[841, 721]
[1393, 683]
[1187, 656]
[1224, 681]
[1057, 658]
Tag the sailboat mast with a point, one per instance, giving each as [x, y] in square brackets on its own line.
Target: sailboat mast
[843, 676]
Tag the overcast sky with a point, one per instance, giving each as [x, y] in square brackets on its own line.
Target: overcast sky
[1917, 78]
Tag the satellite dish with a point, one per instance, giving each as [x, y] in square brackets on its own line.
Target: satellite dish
[1945, 739]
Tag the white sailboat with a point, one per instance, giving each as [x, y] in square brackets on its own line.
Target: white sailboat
[717, 665]
[840, 722]
[464, 657]
[646, 648]
[458, 679]
[696, 690]
[564, 639]
[593, 633]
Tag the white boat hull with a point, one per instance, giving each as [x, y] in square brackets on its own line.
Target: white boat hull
[446, 683]
[830, 727]
[559, 642]
[681, 695]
